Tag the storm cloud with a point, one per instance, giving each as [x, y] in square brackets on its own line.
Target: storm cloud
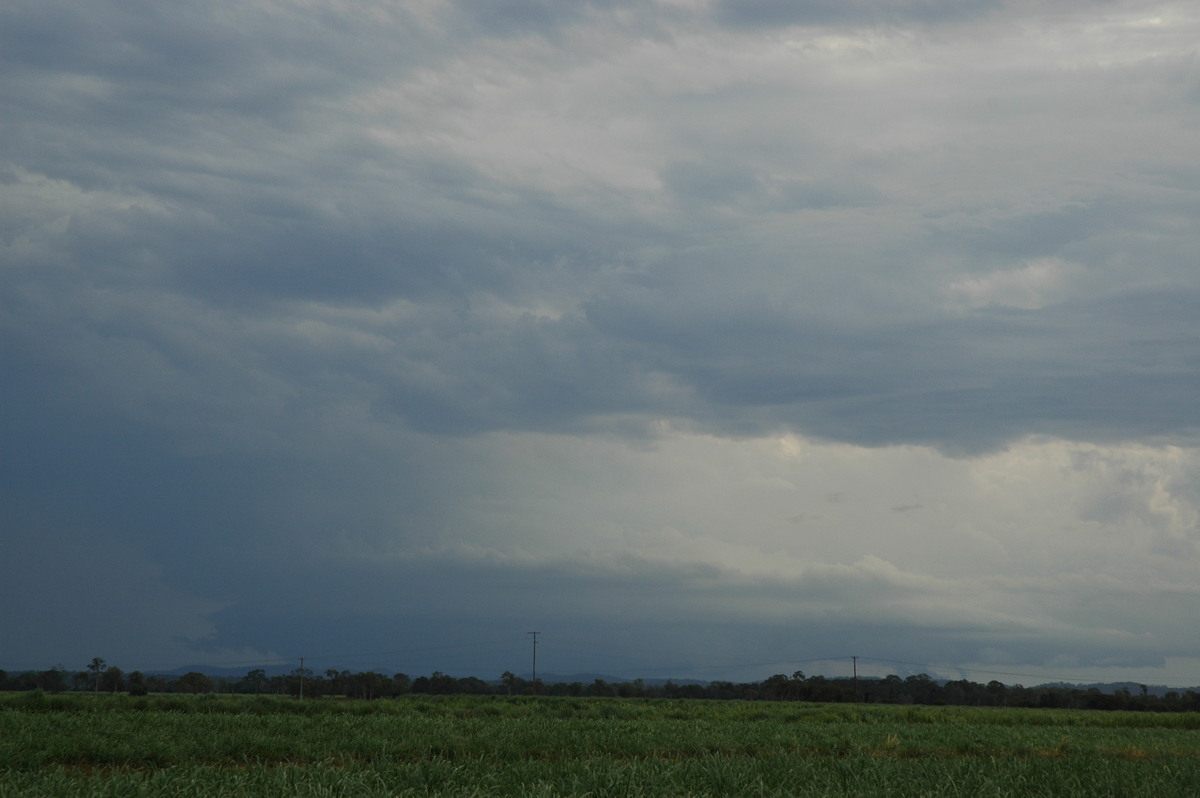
[705, 338]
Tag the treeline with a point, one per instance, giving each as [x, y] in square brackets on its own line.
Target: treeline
[98, 677]
[919, 689]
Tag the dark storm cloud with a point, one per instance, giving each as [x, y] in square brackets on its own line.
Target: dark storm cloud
[332, 325]
[254, 229]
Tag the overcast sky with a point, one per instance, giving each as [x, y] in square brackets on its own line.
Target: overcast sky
[708, 338]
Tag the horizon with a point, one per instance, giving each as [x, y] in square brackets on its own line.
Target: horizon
[231, 674]
[844, 669]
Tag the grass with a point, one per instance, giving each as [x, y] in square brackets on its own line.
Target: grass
[75, 745]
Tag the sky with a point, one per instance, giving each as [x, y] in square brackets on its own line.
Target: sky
[708, 339]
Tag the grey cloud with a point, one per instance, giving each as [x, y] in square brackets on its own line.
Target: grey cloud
[267, 287]
[699, 185]
[144, 48]
[806, 194]
[550, 20]
[966, 384]
[1033, 234]
[822, 12]
[177, 103]
[1089, 231]
[1117, 367]
[499, 18]
[712, 183]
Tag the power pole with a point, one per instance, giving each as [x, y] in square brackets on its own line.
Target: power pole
[855, 662]
[535, 636]
[302, 678]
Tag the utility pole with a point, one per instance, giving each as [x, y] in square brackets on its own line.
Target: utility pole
[855, 662]
[302, 678]
[535, 636]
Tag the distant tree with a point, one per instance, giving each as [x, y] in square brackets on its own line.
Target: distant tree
[337, 681]
[53, 680]
[401, 684]
[299, 683]
[137, 683]
[920, 688]
[158, 684]
[672, 690]
[256, 678]
[20, 681]
[472, 685]
[194, 682]
[96, 666]
[599, 687]
[440, 683]
[776, 688]
[997, 692]
[510, 681]
[368, 685]
[112, 680]
[956, 692]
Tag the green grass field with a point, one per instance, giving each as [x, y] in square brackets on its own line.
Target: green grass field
[77, 745]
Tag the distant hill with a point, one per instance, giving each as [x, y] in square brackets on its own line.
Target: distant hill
[1134, 688]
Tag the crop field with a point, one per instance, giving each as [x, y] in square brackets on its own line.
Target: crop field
[82, 745]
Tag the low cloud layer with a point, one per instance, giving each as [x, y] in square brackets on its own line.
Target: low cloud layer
[704, 338]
